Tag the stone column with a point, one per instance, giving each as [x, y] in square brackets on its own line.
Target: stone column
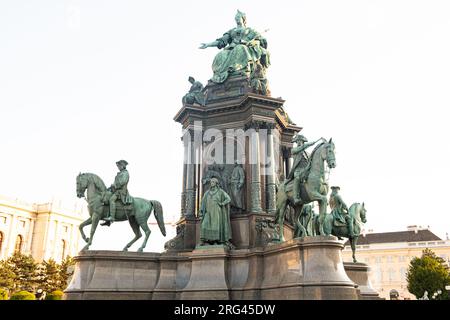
[255, 185]
[190, 178]
[287, 160]
[185, 140]
[30, 236]
[199, 175]
[290, 162]
[270, 173]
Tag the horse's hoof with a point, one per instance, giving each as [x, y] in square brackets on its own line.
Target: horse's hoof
[140, 250]
[125, 249]
[85, 248]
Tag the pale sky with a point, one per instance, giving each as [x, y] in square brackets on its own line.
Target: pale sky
[86, 83]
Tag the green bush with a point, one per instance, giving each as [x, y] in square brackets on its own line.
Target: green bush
[3, 294]
[23, 295]
[55, 295]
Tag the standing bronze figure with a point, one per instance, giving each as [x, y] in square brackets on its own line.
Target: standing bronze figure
[215, 225]
[237, 184]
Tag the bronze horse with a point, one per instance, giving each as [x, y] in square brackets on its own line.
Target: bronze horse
[357, 213]
[314, 189]
[141, 208]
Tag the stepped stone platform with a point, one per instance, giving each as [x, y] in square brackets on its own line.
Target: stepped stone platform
[300, 269]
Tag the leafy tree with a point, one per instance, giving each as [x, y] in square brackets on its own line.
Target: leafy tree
[7, 275]
[53, 276]
[21, 273]
[66, 269]
[428, 273]
[22, 270]
[48, 276]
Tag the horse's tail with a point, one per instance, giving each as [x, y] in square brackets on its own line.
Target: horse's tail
[158, 210]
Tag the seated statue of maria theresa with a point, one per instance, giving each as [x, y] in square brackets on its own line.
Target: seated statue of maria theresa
[242, 47]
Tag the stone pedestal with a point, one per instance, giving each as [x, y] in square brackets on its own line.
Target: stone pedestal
[299, 269]
[359, 273]
[208, 280]
[309, 269]
[107, 275]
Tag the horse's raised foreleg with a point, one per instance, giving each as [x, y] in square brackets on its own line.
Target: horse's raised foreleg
[147, 232]
[95, 220]
[82, 225]
[137, 233]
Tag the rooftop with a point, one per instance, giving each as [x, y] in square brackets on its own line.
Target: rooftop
[411, 235]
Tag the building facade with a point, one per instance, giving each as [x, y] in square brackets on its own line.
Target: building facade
[389, 254]
[46, 231]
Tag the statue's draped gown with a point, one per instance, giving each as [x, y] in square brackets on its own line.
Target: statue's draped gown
[216, 224]
[243, 47]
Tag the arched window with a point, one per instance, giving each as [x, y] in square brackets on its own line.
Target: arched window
[19, 241]
[63, 249]
[1, 241]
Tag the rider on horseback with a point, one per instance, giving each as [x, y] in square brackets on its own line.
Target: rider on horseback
[339, 210]
[301, 162]
[119, 190]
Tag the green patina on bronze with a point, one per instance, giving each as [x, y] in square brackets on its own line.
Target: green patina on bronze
[301, 164]
[314, 189]
[356, 217]
[136, 210]
[237, 181]
[215, 225]
[339, 210]
[243, 48]
[119, 191]
[195, 94]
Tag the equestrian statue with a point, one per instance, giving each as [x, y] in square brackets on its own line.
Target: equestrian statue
[115, 204]
[351, 229]
[305, 183]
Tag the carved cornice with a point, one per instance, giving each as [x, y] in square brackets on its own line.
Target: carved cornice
[244, 102]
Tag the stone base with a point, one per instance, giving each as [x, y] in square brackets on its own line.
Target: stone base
[359, 273]
[299, 269]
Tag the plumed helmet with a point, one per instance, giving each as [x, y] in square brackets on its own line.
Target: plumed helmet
[335, 188]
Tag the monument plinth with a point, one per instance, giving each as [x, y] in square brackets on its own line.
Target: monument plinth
[308, 268]
[359, 273]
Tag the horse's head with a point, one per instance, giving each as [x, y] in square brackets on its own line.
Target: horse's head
[330, 157]
[82, 184]
[362, 213]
